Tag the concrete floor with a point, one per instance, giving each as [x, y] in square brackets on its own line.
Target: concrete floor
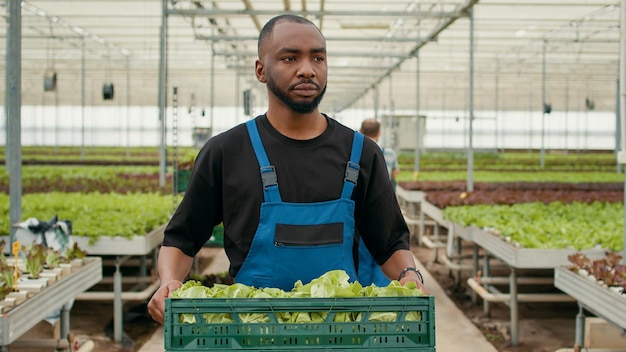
[454, 332]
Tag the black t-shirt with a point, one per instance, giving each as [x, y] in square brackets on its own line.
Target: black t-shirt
[225, 186]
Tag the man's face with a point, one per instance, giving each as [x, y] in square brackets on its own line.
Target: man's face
[294, 66]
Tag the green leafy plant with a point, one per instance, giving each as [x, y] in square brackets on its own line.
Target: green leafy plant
[96, 215]
[53, 258]
[332, 284]
[35, 258]
[7, 279]
[607, 270]
[187, 160]
[548, 226]
[75, 252]
[4, 290]
[3, 259]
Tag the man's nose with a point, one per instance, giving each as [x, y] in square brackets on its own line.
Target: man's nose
[306, 69]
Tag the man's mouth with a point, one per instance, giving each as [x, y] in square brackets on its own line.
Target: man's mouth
[306, 89]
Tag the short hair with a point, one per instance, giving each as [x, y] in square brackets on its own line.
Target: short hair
[370, 127]
[268, 28]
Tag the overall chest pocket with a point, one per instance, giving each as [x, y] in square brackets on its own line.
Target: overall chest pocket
[308, 235]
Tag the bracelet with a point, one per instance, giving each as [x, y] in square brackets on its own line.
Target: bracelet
[419, 274]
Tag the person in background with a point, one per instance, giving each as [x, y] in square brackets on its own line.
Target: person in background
[371, 129]
[369, 271]
[295, 189]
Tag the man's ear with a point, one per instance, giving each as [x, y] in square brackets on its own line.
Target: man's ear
[259, 70]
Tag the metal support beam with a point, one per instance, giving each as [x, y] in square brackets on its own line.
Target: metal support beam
[418, 131]
[470, 147]
[622, 102]
[212, 97]
[237, 38]
[13, 100]
[128, 106]
[82, 99]
[254, 54]
[462, 11]
[317, 13]
[163, 95]
[543, 106]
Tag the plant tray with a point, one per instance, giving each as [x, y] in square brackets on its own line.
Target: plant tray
[117, 245]
[597, 298]
[114, 245]
[527, 258]
[40, 305]
[276, 336]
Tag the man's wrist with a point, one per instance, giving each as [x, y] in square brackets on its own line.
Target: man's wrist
[404, 272]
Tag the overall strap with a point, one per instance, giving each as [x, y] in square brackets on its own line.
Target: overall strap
[352, 169]
[268, 172]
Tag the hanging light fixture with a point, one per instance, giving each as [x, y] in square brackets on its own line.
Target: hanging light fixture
[50, 76]
[49, 81]
[108, 91]
[547, 108]
[590, 104]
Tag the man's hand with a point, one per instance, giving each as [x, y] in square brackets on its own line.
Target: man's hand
[156, 306]
[412, 276]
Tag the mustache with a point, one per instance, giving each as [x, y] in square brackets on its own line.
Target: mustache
[306, 81]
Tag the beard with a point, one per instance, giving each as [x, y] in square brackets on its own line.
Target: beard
[304, 107]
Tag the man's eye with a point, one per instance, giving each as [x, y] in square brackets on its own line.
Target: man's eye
[289, 59]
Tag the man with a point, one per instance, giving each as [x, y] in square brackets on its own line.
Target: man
[369, 270]
[331, 183]
[371, 129]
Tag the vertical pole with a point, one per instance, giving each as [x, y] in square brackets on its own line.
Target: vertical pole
[622, 102]
[566, 116]
[543, 110]
[486, 273]
[475, 263]
[497, 103]
[57, 121]
[514, 308]
[162, 93]
[82, 99]
[530, 118]
[13, 112]
[118, 304]
[579, 335]
[470, 150]
[417, 116]
[237, 94]
[175, 145]
[618, 126]
[391, 141]
[375, 102]
[127, 106]
[65, 319]
[212, 107]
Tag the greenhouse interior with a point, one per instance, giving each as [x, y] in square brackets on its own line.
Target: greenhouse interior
[507, 124]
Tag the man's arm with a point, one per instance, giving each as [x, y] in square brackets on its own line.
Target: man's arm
[173, 267]
[394, 173]
[400, 260]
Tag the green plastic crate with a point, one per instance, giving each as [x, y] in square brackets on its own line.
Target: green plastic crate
[182, 179]
[417, 336]
[217, 238]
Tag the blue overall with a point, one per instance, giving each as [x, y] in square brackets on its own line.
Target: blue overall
[300, 241]
[369, 270]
